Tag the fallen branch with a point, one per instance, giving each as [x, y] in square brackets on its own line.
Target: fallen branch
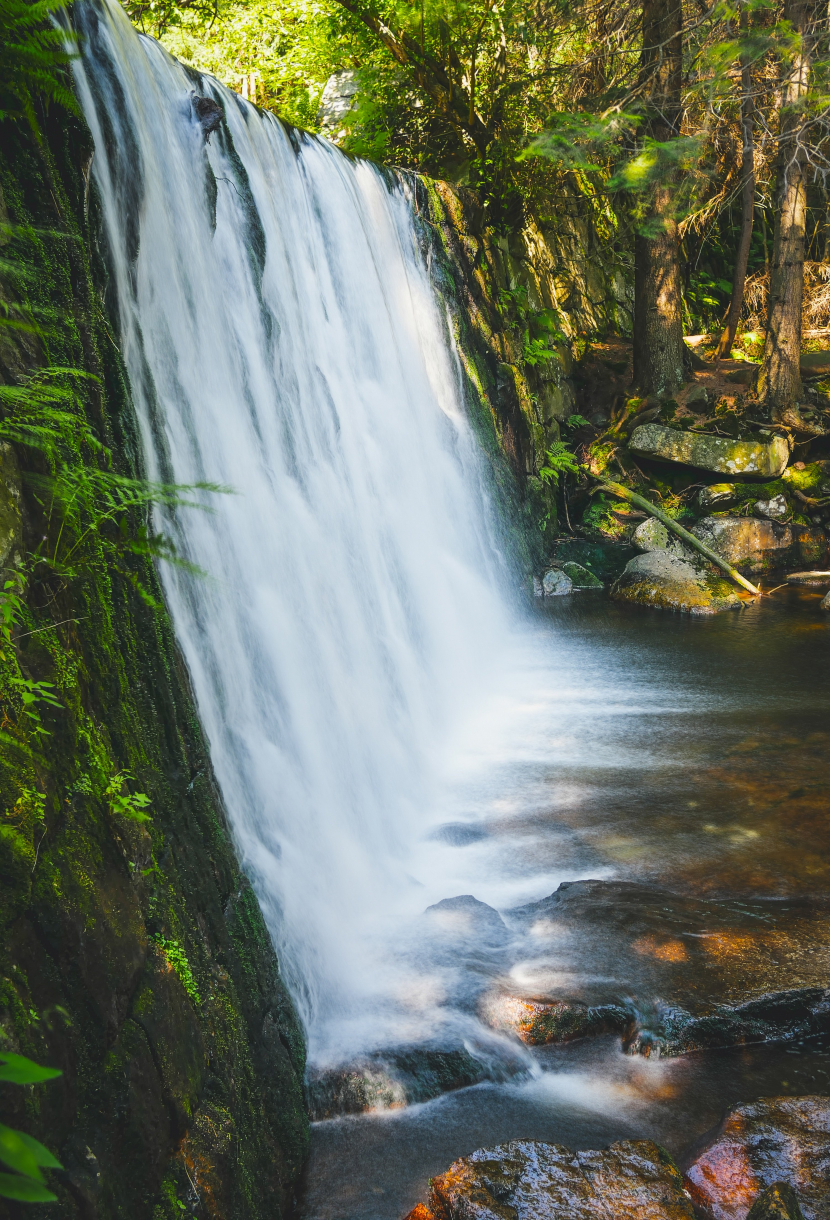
[616, 489]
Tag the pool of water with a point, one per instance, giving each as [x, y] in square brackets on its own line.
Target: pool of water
[619, 744]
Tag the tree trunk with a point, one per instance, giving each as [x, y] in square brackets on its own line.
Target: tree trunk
[779, 384]
[747, 197]
[658, 320]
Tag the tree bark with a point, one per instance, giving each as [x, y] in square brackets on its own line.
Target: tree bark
[747, 199]
[779, 384]
[658, 303]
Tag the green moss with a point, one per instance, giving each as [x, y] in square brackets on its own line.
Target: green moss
[87, 894]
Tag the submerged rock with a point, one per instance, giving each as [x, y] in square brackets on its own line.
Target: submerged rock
[580, 577]
[752, 544]
[750, 459]
[529, 1180]
[666, 582]
[771, 1141]
[556, 583]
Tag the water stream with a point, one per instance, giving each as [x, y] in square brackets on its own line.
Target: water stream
[391, 725]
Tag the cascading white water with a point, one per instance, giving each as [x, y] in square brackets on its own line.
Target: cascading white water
[282, 338]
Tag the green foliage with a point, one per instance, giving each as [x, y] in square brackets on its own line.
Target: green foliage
[33, 52]
[559, 460]
[177, 958]
[124, 804]
[20, 1152]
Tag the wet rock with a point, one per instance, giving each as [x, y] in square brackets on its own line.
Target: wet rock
[208, 112]
[775, 509]
[390, 1080]
[538, 591]
[717, 496]
[775, 1140]
[540, 1023]
[749, 459]
[465, 918]
[777, 1202]
[666, 582]
[675, 974]
[825, 602]
[808, 578]
[556, 583]
[580, 577]
[752, 544]
[529, 1180]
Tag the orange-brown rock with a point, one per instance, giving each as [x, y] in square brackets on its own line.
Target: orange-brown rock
[528, 1180]
[420, 1212]
[774, 1140]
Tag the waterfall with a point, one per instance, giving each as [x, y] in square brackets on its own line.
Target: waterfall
[283, 339]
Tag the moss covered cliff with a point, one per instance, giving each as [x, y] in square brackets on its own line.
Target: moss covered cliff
[133, 954]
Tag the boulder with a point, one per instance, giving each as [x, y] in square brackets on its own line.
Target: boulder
[717, 496]
[580, 577]
[667, 582]
[815, 364]
[556, 583]
[825, 602]
[775, 509]
[752, 544]
[771, 1141]
[749, 459]
[529, 1180]
[652, 535]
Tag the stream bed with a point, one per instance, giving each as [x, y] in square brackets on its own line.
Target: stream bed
[690, 755]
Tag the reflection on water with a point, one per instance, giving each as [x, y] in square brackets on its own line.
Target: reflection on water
[636, 746]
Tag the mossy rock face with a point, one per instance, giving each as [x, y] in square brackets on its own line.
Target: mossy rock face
[752, 544]
[133, 957]
[744, 459]
[665, 582]
[580, 577]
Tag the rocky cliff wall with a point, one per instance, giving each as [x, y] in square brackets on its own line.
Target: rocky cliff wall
[520, 306]
[133, 954]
